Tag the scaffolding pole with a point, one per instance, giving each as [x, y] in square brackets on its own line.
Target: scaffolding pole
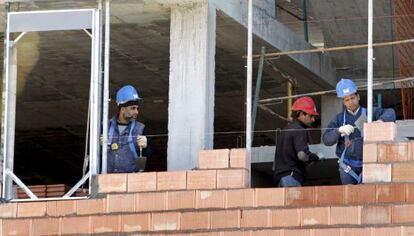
[370, 59]
[106, 87]
[249, 78]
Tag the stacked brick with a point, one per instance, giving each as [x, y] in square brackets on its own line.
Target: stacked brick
[154, 204]
[385, 158]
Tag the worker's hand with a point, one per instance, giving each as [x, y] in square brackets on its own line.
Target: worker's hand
[142, 141]
[321, 155]
[346, 130]
[378, 121]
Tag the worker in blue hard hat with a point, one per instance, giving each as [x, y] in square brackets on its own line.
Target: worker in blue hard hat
[126, 139]
[346, 130]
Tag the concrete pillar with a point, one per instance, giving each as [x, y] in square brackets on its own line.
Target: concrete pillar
[191, 85]
[330, 106]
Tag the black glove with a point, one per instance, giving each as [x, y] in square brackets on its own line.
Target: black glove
[313, 157]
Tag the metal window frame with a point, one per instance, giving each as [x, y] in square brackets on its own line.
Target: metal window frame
[40, 22]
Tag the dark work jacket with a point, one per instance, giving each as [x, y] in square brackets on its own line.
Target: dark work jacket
[353, 155]
[291, 140]
[122, 159]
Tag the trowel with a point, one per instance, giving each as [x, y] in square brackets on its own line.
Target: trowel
[359, 123]
[141, 161]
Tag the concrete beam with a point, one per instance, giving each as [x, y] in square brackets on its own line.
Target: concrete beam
[191, 84]
[282, 38]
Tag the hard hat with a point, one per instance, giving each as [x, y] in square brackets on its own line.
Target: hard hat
[345, 87]
[305, 104]
[127, 94]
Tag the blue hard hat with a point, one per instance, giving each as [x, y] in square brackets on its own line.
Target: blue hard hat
[127, 94]
[345, 87]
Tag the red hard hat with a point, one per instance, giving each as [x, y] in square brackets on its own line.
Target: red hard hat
[305, 104]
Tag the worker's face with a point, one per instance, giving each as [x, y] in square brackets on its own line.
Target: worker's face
[129, 112]
[351, 102]
[306, 119]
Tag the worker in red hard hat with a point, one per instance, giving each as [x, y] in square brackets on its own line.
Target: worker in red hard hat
[292, 148]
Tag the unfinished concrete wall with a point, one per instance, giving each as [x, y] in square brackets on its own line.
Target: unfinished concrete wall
[191, 85]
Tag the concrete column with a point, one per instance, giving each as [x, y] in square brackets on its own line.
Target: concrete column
[191, 85]
[330, 106]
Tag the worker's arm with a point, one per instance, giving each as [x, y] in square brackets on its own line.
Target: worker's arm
[385, 114]
[301, 147]
[331, 135]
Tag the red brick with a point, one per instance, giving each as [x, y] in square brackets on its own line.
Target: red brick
[236, 233]
[302, 196]
[181, 200]
[403, 172]
[407, 230]
[225, 219]
[16, 227]
[31, 209]
[285, 217]
[315, 216]
[326, 232]
[376, 215]
[359, 194]
[296, 232]
[174, 180]
[270, 196]
[105, 224]
[91, 206]
[390, 193]
[233, 178]
[120, 203]
[239, 159]
[136, 222]
[255, 218]
[382, 152]
[240, 198]
[329, 195]
[8, 210]
[370, 154]
[396, 152]
[202, 179]
[142, 182]
[206, 234]
[194, 220]
[379, 131]
[387, 231]
[213, 159]
[210, 199]
[356, 231]
[375, 173]
[151, 201]
[75, 225]
[165, 221]
[410, 147]
[409, 192]
[345, 215]
[266, 232]
[49, 226]
[110, 183]
[402, 213]
[65, 208]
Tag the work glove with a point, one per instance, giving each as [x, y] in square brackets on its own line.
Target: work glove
[346, 130]
[142, 141]
[313, 157]
[321, 155]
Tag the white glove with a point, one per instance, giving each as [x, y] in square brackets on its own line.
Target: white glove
[142, 141]
[346, 130]
[320, 155]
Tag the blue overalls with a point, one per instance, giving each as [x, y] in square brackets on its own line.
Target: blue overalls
[123, 149]
[348, 166]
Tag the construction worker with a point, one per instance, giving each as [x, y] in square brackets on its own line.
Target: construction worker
[292, 150]
[125, 135]
[346, 130]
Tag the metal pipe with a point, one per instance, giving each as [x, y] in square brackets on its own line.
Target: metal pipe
[258, 87]
[305, 21]
[289, 102]
[249, 78]
[370, 59]
[106, 87]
